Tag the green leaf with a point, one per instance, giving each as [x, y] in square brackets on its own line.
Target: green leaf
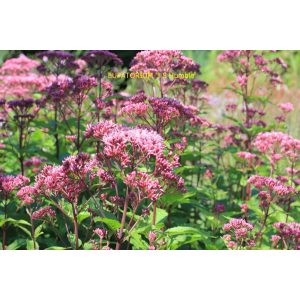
[182, 230]
[38, 231]
[88, 246]
[72, 239]
[14, 222]
[83, 216]
[161, 215]
[243, 181]
[181, 240]
[30, 245]
[278, 214]
[16, 244]
[111, 223]
[177, 198]
[182, 235]
[55, 248]
[253, 204]
[24, 229]
[137, 241]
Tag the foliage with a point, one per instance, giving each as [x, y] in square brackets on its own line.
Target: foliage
[162, 162]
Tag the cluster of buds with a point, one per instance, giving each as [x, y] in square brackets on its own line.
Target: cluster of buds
[288, 235]
[238, 234]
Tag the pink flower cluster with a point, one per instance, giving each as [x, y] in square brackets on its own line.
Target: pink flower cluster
[16, 66]
[26, 195]
[106, 89]
[135, 109]
[152, 239]
[272, 185]
[231, 107]
[100, 232]
[244, 208]
[81, 65]
[79, 165]
[275, 239]
[10, 183]
[159, 61]
[247, 156]
[34, 162]
[100, 129]
[167, 109]
[71, 138]
[230, 55]
[58, 90]
[74, 89]
[80, 85]
[132, 147]
[242, 80]
[246, 62]
[128, 147]
[274, 142]
[43, 212]
[239, 235]
[67, 180]
[146, 186]
[289, 234]
[143, 141]
[18, 78]
[164, 109]
[286, 107]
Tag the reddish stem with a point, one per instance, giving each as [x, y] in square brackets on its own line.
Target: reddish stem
[120, 237]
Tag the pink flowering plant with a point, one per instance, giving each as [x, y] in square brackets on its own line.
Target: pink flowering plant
[149, 150]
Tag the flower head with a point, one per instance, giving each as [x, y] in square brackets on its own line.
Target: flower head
[244, 208]
[100, 232]
[219, 208]
[273, 142]
[289, 233]
[286, 107]
[159, 61]
[101, 58]
[19, 65]
[19, 79]
[41, 213]
[272, 185]
[152, 237]
[57, 62]
[239, 234]
[10, 183]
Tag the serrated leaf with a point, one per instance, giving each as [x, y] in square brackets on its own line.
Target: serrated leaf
[137, 241]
